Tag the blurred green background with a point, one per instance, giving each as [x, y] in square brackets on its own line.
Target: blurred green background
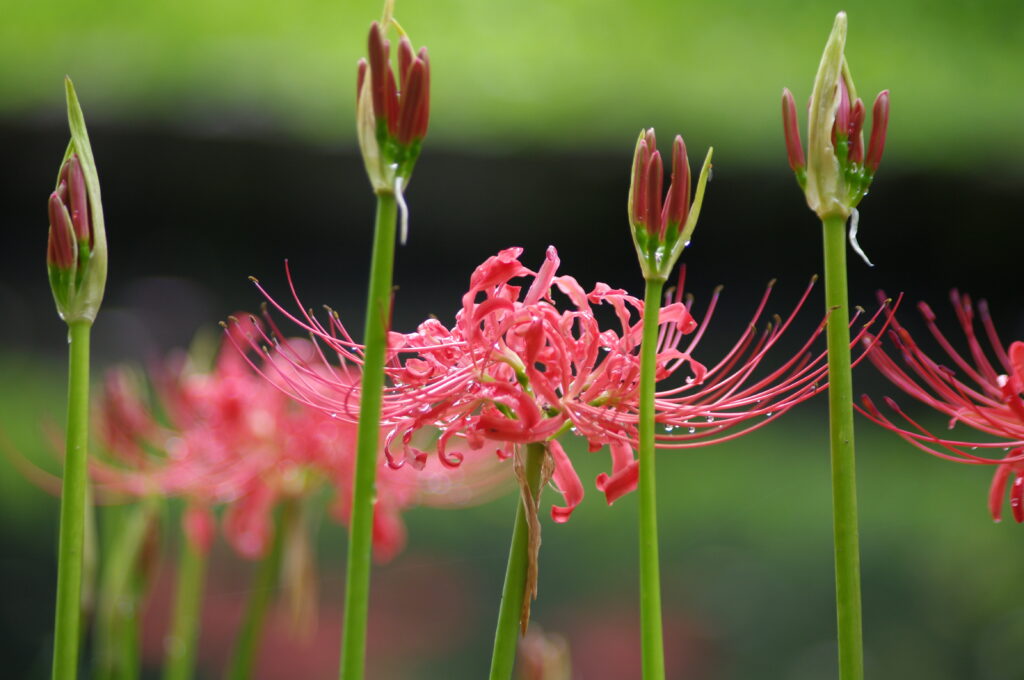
[223, 134]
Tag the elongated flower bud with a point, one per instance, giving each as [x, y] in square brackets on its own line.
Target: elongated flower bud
[76, 252]
[879, 125]
[391, 112]
[662, 223]
[837, 174]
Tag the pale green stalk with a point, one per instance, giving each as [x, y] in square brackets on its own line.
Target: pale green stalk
[652, 639]
[180, 660]
[844, 482]
[360, 537]
[72, 507]
[247, 645]
[507, 633]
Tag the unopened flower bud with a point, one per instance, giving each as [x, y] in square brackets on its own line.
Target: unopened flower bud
[879, 125]
[391, 113]
[76, 253]
[662, 223]
[837, 173]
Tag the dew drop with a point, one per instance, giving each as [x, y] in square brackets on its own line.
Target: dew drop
[669, 428]
[692, 429]
[974, 448]
[710, 419]
[768, 415]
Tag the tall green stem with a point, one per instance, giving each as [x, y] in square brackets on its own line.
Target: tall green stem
[360, 537]
[652, 641]
[247, 645]
[507, 633]
[180, 661]
[844, 481]
[72, 507]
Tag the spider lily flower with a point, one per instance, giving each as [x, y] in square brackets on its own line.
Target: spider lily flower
[516, 369]
[392, 113]
[973, 391]
[662, 225]
[76, 250]
[235, 440]
[837, 170]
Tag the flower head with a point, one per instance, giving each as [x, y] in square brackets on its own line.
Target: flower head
[391, 113]
[837, 172]
[662, 225]
[76, 251]
[973, 391]
[520, 366]
[232, 439]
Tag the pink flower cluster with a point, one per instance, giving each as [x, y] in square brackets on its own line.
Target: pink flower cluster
[977, 393]
[233, 439]
[516, 369]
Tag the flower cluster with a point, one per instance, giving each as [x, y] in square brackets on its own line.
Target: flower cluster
[837, 173]
[232, 438]
[76, 249]
[514, 369]
[977, 393]
[392, 115]
[662, 225]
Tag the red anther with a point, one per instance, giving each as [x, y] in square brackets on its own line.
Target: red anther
[412, 101]
[879, 124]
[60, 250]
[655, 181]
[1017, 498]
[78, 200]
[856, 129]
[405, 58]
[378, 51]
[794, 147]
[361, 76]
[677, 203]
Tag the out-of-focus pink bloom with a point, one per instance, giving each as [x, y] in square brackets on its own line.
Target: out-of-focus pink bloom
[233, 439]
[973, 391]
[543, 656]
[513, 369]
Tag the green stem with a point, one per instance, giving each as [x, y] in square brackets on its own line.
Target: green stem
[507, 633]
[844, 482]
[122, 584]
[180, 661]
[247, 645]
[652, 641]
[360, 537]
[72, 507]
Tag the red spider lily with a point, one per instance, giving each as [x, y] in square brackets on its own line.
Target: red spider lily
[977, 393]
[513, 369]
[232, 438]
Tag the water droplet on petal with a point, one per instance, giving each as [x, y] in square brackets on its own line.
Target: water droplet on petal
[691, 429]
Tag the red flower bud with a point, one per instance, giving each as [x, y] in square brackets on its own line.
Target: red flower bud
[60, 249]
[879, 123]
[856, 130]
[652, 199]
[794, 147]
[677, 202]
[377, 49]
